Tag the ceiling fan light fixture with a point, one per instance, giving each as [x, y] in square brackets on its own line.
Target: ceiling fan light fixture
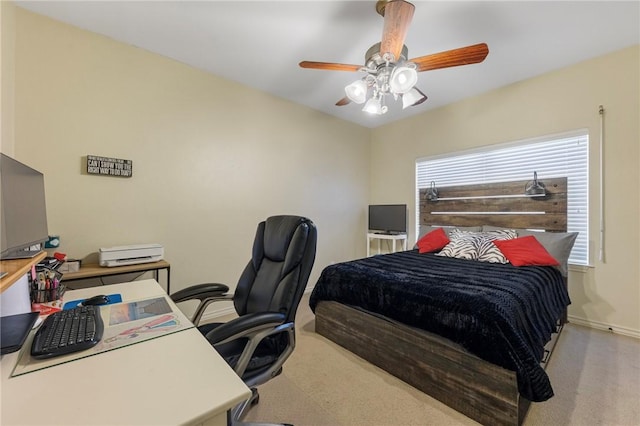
[413, 97]
[390, 72]
[403, 78]
[374, 106]
[357, 91]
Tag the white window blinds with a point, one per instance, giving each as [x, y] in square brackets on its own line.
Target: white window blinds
[566, 156]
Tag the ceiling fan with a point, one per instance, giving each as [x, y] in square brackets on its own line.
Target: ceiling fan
[388, 71]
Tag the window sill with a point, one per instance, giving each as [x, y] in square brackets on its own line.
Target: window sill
[580, 268]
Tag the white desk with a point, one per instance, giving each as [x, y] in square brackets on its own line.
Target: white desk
[392, 237]
[174, 379]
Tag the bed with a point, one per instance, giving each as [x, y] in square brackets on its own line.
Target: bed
[473, 335]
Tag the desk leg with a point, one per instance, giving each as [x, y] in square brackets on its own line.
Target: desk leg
[157, 276]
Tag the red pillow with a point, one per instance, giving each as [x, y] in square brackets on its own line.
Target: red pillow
[525, 251]
[432, 241]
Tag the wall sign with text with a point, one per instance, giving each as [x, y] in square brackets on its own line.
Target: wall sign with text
[109, 166]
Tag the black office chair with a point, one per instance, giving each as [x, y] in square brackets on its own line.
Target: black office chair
[257, 343]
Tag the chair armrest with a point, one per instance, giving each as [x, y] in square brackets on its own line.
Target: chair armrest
[245, 326]
[254, 327]
[207, 293]
[200, 291]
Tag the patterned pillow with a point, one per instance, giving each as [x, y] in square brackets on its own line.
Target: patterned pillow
[487, 251]
[477, 245]
[460, 246]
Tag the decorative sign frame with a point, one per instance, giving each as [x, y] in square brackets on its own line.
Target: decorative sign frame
[107, 166]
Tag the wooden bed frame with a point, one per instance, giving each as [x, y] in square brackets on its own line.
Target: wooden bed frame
[442, 369]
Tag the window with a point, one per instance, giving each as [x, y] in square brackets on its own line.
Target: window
[560, 156]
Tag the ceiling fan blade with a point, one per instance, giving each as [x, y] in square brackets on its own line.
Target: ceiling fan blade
[329, 66]
[397, 17]
[344, 101]
[452, 58]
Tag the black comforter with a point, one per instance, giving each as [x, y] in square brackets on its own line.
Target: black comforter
[500, 313]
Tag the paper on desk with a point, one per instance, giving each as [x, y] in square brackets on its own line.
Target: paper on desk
[124, 324]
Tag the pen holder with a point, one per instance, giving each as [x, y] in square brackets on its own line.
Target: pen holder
[47, 295]
[47, 287]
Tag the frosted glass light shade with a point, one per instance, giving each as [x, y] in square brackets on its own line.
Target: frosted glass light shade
[373, 106]
[403, 79]
[357, 91]
[413, 97]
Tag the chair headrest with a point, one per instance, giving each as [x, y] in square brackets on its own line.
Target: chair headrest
[278, 234]
[283, 254]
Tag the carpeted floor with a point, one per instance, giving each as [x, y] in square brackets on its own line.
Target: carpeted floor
[595, 376]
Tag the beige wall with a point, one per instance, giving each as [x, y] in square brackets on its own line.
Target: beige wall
[607, 294]
[211, 158]
[7, 44]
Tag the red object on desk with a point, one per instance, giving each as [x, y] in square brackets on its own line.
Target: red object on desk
[46, 309]
[60, 256]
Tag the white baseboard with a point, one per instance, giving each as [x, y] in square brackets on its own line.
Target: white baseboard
[625, 331]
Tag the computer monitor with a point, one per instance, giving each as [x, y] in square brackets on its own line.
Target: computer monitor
[23, 212]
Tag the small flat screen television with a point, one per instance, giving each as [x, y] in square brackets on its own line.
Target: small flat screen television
[388, 218]
[23, 212]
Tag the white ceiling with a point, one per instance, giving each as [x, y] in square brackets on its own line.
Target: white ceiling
[260, 43]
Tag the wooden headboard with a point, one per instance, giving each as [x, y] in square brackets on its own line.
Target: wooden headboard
[500, 204]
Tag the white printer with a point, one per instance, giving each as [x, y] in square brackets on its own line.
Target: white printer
[130, 255]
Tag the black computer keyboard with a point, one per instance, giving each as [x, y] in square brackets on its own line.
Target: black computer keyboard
[68, 331]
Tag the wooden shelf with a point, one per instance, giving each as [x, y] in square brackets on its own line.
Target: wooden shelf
[94, 270]
[15, 269]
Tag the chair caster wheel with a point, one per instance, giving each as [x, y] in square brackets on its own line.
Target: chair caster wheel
[255, 397]
[255, 400]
